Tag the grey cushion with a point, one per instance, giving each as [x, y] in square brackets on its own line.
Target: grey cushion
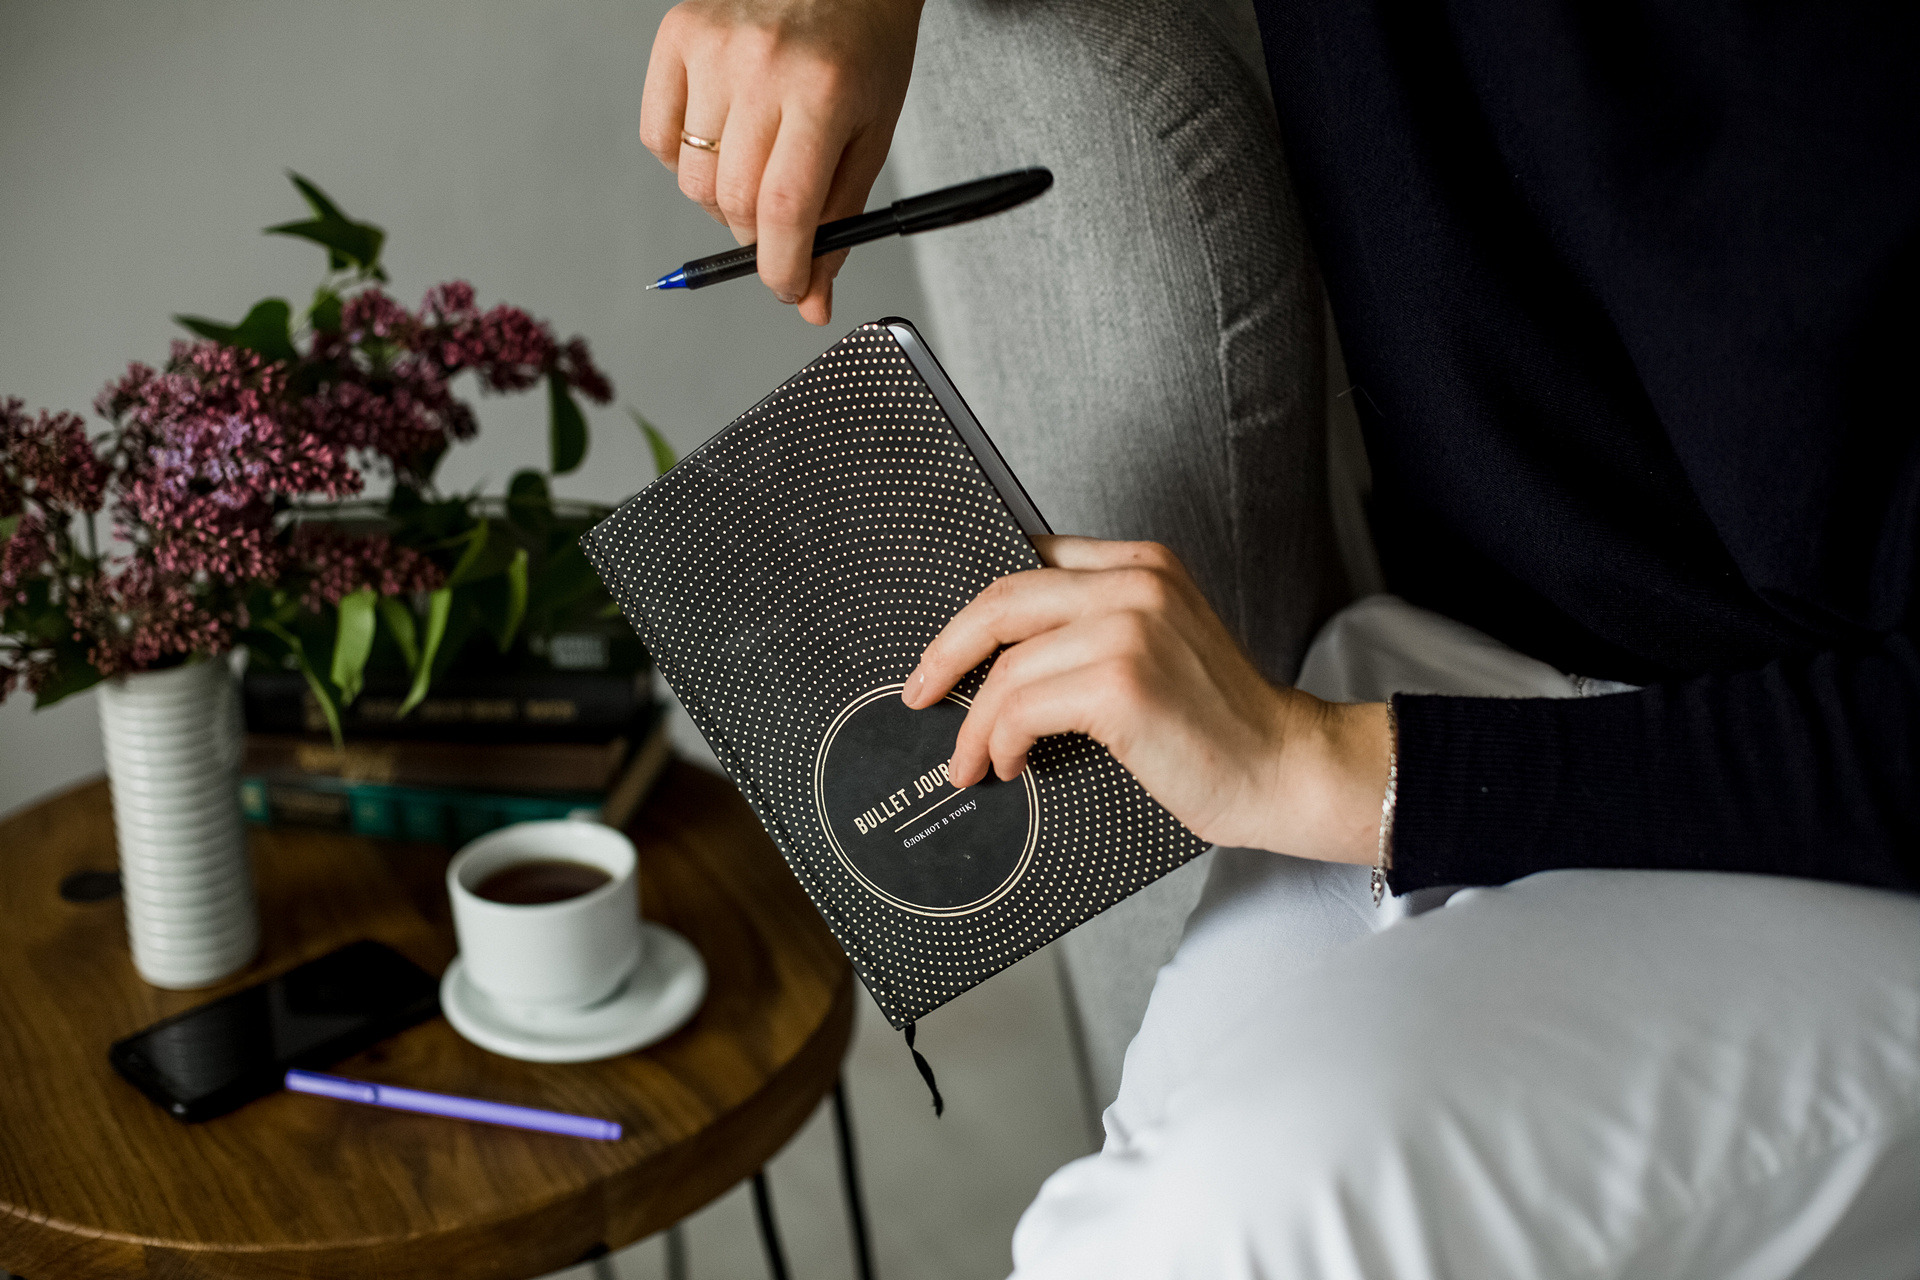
[1145, 343]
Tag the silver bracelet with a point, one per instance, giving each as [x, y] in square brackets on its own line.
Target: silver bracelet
[1383, 860]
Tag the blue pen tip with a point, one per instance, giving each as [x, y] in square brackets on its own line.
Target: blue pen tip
[672, 280]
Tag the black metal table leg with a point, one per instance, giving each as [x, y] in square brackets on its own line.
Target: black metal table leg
[769, 1231]
[850, 1179]
[763, 1206]
[677, 1252]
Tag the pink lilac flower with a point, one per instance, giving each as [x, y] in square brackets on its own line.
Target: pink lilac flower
[213, 450]
[50, 459]
[210, 451]
[27, 554]
[373, 315]
[583, 374]
[411, 416]
[217, 536]
[141, 617]
[342, 563]
[449, 303]
[509, 349]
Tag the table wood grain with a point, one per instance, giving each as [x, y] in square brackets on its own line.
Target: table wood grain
[96, 1181]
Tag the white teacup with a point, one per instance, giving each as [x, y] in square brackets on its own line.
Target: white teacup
[537, 958]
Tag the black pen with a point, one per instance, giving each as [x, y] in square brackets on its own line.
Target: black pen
[942, 208]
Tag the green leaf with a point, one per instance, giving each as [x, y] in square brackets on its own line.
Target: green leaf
[433, 520]
[565, 579]
[321, 693]
[7, 526]
[324, 314]
[516, 597]
[529, 504]
[280, 605]
[267, 330]
[529, 487]
[663, 455]
[347, 242]
[490, 549]
[404, 501]
[399, 620]
[34, 617]
[567, 431]
[316, 199]
[504, 601]
[71, 674]
[353, 642]
[460, 628]
[476, 540]
[212, 330]
[439, 605]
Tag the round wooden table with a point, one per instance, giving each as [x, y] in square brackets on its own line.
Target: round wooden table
[95, 1180]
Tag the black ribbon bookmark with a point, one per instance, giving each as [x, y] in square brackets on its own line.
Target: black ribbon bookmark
[926, 1073]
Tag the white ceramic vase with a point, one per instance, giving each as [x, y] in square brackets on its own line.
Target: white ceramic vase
[173, 742]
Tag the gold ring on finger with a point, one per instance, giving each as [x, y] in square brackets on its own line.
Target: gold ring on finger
[704, 144]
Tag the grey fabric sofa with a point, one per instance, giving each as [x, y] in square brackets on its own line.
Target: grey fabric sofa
[1146, 343]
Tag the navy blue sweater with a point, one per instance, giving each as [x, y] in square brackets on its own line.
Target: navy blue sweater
[1629, 294]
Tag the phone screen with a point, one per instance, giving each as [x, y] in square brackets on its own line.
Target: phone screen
[209, 1060]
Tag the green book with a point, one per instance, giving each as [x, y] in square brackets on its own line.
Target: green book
[445, 815]
[448, 815]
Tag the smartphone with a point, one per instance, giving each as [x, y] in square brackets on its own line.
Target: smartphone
[207, 1061]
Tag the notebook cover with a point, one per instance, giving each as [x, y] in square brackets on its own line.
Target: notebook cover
[785, 577]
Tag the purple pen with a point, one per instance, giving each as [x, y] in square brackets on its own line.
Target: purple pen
[447, 1104]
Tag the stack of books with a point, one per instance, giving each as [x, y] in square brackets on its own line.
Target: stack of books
[480, 752]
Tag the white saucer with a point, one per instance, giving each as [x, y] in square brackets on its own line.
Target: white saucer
[651, 1005]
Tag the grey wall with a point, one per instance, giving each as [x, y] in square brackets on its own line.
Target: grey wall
[142, 147]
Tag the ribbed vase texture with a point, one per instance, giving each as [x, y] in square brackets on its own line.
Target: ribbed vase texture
[173, 742]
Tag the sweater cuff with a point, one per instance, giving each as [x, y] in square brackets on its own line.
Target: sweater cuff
[1492, 789]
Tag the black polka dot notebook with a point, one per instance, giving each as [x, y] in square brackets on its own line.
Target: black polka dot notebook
[786, 576]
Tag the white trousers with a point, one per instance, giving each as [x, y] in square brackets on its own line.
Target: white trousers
[1580, 1074]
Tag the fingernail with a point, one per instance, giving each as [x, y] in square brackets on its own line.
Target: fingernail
[788, 298]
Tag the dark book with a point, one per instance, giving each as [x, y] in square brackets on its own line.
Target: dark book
[524, 706]
[449, 814]
[786, 577]
[503, 766]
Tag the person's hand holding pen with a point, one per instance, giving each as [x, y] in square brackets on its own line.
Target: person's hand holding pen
[776, 115]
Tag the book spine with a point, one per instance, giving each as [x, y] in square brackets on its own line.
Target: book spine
[986, 455]
[442, 816]
[503, 766]
[637, 783]
[508, 708]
